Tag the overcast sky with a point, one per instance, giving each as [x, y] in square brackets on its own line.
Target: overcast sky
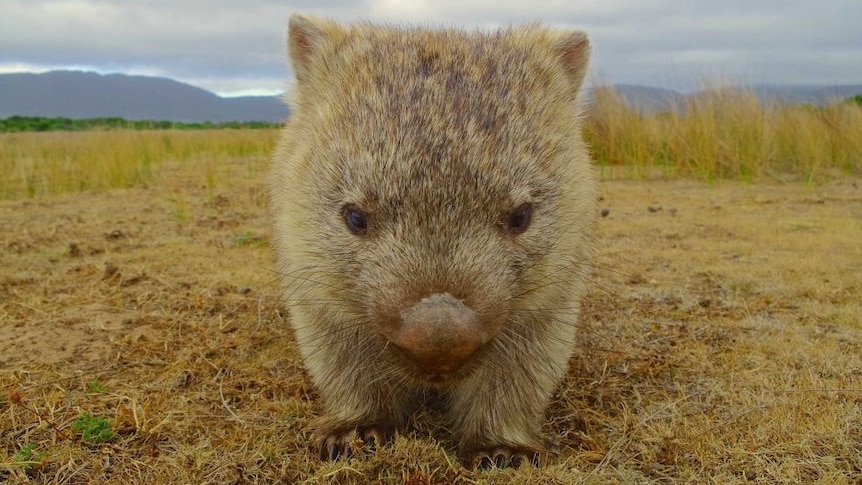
[238, 46]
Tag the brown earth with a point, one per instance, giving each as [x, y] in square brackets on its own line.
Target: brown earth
[722, 343]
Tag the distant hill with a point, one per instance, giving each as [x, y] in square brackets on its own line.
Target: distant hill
[652, 100]
[800, 94]
[76, 94]
[648, 99]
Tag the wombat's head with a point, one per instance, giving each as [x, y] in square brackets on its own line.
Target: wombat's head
[432, 186]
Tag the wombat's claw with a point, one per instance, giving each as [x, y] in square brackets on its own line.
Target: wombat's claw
[339, 445]
[500, 458]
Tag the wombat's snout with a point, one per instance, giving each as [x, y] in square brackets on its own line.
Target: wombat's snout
[439, 333]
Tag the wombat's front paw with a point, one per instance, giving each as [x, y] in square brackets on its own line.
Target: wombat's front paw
[502, 457]
[341, 444]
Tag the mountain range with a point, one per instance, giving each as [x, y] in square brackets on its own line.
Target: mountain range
[78, 94]
[651, 99]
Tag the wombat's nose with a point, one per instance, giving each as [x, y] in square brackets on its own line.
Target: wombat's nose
[439, 333]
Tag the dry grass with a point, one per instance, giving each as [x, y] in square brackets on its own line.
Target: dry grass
[36, 164]
[727, 134]
[723, 134]
[722, 340]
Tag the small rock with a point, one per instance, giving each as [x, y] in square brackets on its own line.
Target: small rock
[184, 379]
[115, 234]
[605, 212]
[134, 280]
[111, 269]
[653, 208]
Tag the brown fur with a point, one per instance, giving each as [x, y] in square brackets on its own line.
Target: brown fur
[437, 135]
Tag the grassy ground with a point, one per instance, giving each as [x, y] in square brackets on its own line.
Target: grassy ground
[37, 164]
[725, 134]
[720, 135]
[141, 340]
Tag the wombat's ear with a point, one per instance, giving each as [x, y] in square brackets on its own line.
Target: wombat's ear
[306, 39]
[573, 50]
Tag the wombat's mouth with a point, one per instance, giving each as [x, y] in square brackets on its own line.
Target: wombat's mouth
[438, 335]
[439, 371]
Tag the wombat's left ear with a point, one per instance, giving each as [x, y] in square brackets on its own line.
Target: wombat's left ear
[573, 50]
[307, 41]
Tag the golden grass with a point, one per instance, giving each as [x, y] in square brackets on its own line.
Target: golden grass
[723, 134]
[727, 134]
[35, 164]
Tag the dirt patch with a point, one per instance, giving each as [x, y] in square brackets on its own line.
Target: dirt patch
[76, 335]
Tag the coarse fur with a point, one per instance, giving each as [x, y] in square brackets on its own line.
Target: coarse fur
[437, 136]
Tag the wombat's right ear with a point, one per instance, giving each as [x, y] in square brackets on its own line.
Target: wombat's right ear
[306, 40]
[573, 50]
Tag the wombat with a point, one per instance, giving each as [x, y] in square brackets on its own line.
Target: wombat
[434, 204]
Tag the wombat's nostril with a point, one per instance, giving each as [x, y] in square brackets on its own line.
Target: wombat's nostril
[440, 333]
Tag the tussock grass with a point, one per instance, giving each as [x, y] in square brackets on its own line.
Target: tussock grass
[726, 134]
[721, 134]
[36, 164]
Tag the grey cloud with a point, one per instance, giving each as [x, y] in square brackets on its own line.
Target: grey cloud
[229, 46]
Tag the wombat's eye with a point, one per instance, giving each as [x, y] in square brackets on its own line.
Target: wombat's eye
[355, 219]
[519, 219]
